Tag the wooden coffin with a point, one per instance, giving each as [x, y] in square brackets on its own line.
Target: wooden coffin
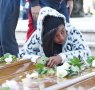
[15, 70]
[18, 71]
[87, 84]
[81, 82]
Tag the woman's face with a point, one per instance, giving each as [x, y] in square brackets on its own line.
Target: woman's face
[60, 35]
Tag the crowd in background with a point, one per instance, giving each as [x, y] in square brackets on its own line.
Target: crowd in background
[24, 5]
[88, 8]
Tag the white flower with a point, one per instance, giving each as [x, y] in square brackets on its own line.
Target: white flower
[93, 63]
[8, 60]
[33, 75]
[61, 72]
[75, 68]
[28, 82]
[66, 66]
[13, 85]
[83, 67]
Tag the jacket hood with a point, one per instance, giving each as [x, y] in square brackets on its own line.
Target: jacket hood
[34, 43]
[47, 11]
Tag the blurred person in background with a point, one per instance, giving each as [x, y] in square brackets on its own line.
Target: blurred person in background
[9, 13]
[63, 6]
[88, 7]
[34, 4]
[24, 5]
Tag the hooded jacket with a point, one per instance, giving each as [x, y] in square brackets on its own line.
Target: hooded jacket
[74, 45]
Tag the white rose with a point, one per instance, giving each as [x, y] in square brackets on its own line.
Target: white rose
[93, 63]
[75, 68]
[28, 82]
[83, 67]
[13, 85]
[33, 75]
[8, 60]
[61, 73]
[66, 66]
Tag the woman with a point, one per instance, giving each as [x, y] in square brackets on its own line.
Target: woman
[54, 39]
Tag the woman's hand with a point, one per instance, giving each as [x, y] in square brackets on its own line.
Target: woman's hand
[35, 12]
[70, 6]
[53, 61]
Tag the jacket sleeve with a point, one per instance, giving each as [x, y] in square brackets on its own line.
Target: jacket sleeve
[79, 46]
[24, 55]
[30, 49]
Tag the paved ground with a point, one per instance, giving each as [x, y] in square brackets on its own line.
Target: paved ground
[84, 23]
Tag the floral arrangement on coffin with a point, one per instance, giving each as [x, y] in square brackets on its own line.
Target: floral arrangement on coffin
[91, 61]
[42, 69]
[8, 58]
[69, 68]
[74, 66]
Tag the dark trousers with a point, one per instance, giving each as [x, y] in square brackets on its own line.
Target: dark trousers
[9, 13]
[60, 7]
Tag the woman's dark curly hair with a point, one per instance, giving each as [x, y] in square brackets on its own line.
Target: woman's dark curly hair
[50, 48]
[48, 42]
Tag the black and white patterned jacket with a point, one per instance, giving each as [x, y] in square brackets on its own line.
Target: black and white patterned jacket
[75, 45]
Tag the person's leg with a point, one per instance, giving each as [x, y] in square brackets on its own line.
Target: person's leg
[34, 9]
[91, 7]
[1, 53]
[64, 10]
[9, 14]
[86, 6]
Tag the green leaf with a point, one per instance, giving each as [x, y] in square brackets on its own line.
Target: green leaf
[75, 61]
[39, 70]
[44, 71]
[39, 66]
[2, 59]
[42, 60]
[90, 59]
[51, 71]
[73, 73]
[14, 58]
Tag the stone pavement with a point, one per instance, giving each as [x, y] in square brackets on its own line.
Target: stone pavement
[83, 24]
